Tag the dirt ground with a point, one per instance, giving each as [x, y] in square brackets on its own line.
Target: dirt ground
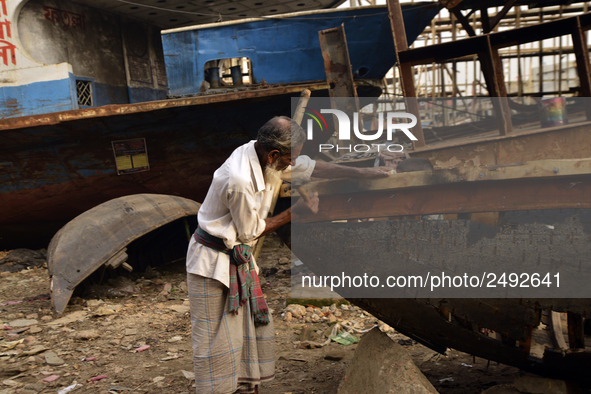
[132, 335]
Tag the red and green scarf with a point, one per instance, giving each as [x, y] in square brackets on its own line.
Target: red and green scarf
[244, 281]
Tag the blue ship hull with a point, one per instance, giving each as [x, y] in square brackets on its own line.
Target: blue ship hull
[287, 49]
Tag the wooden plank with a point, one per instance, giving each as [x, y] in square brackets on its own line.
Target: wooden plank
[525, 345]
[450, 4]
[534, 170]
[405, 68]
[464, 21]
[484, 18]
[501, 14]
[585, 20]
[461, 197]
[471, 45]
[537, 32]
[442, 52]
[557, 336]
[337, 67]
[562, 142]
[338, 70]
[576, 335]
[492, 69]
[301, 107]
[123, 109]
[583, 66]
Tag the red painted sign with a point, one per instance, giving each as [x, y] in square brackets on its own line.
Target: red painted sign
[7, 48]
[65, 19]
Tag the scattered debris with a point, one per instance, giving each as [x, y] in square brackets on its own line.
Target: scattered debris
[51, 378]
[69, 318]
[119, 286]
[173, 357]
[116, 389]
[10, 303]
[130, 331]
[145, 318]
[86, 334]
[22, 323]
[12, 344]
[180, 308]
[34, 350]
[10, 383]
[10, 370]
[188, 375]
[106, 310]
[310, 345]
[70, 388]
[52, 359]
[35, 330]
[166, 289]
[142, 348]
[345, 338]
[94, 303]
[295, 310]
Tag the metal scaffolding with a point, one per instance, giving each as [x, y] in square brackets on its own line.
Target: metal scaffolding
[541, 68]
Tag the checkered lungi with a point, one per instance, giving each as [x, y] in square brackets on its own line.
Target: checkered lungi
[229, 352]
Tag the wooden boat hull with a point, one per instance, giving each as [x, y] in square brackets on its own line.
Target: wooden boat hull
[56, 166]
[453, 323]
[506, 330]
[514, 203]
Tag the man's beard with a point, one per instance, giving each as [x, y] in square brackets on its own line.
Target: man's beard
[272, 175]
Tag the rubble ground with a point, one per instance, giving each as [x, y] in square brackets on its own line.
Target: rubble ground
[132, 335]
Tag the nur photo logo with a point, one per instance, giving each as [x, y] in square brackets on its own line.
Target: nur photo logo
[388, 123]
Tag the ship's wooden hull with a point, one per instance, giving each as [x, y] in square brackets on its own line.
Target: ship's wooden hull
[55, 166]
[513, 330]
[518, 203]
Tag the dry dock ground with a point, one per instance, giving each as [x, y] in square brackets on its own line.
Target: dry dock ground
[131, 335]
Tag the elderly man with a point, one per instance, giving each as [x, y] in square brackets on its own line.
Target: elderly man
[232, 328]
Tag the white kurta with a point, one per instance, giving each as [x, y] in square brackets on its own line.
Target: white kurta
[234, 209]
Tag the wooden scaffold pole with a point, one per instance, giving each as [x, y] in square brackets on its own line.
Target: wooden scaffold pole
[405, 69]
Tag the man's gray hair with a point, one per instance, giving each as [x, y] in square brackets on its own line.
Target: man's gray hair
[280, 133]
